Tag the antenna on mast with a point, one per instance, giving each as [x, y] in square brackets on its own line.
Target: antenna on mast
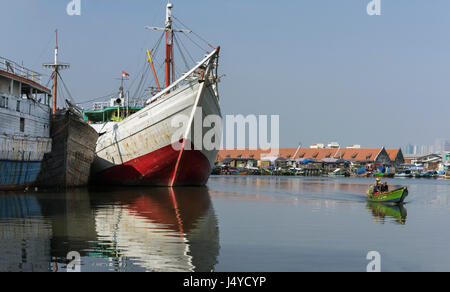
[56, 67]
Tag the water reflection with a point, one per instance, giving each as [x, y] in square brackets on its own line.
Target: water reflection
[380, 212]
[113, 230]
[24, 235]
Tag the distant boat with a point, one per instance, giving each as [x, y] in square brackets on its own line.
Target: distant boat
[384, 175]
[405, 174]
[396, 196]
[266, 171]
[380, 175]
[236, 171]
[338, 172]
[418, 175]
[430, 174]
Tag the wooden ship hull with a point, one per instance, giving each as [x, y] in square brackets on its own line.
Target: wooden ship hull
[73, 148]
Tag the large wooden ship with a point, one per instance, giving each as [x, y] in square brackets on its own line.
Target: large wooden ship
[73, 146]
[141, 150]
[73, 141]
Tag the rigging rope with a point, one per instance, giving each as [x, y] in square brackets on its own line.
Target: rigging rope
[144, 76]
[99, 98]
[187, 51]
[67, 89]
[181, 53]
[197, 35]
[194, 42]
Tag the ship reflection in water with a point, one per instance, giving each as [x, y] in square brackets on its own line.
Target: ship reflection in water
[136, 229]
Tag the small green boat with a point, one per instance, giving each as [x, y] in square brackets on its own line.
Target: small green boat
[395, 197]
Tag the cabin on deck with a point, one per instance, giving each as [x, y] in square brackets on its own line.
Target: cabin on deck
[24, 101]
[114, 111]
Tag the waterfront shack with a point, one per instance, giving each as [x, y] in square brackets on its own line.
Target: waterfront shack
[327, 159]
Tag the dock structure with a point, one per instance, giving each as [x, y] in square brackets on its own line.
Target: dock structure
[313, 161]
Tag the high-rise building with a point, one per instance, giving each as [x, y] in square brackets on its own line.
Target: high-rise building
[409, 149]
[423, 149]
[442, 146]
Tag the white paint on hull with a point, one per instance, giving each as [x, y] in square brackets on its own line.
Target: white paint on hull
[16, 148]
[151, 128]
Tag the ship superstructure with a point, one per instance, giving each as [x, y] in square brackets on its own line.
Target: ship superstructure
[24, 125]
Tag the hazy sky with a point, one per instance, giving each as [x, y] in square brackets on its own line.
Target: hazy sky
[329, 70]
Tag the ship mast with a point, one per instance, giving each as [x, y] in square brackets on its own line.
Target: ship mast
[169, 31]
[56, 67]
[169, 43]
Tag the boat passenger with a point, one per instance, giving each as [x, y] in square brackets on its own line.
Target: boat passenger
[385, 187]
[376, 187]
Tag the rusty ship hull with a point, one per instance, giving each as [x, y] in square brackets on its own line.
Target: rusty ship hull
[24, 125]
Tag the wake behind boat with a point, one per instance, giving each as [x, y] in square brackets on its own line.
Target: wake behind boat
[139, 149]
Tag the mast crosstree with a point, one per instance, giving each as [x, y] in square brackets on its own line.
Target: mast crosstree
[56, 67]
[169, 61]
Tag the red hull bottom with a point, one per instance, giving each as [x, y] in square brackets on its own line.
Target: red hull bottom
[163, 167]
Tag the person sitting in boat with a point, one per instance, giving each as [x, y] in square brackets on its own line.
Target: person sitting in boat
[377, 187]
[385, 188]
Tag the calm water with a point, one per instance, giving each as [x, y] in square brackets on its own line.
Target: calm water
[235, 224]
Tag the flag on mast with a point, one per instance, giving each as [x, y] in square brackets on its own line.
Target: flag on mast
[125, 74]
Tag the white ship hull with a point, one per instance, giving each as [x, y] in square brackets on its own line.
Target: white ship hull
[139, 150]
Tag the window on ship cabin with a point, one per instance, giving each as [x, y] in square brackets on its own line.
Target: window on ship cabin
[3, 101]
[18, 106]
[22, 125]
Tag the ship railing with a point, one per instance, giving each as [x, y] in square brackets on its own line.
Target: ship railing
[19, 70]
[98, 106]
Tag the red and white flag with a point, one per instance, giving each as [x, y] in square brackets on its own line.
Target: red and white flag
[125, 74]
